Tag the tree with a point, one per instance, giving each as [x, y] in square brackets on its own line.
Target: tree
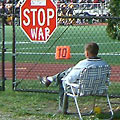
[113, 27]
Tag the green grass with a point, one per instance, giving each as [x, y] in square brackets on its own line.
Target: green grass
[41, 106]
[114, 88]
[75, 36]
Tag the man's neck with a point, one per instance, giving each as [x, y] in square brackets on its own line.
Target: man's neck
[94, 57]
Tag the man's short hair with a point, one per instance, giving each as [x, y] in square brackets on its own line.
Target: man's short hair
[92, 48]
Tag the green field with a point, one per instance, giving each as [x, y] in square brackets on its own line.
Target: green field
[75, 37]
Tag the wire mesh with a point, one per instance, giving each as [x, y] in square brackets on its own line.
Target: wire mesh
[34, 58]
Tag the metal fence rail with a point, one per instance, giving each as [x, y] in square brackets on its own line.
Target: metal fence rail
[2, 48]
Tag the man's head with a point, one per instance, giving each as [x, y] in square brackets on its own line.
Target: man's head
[91, 50]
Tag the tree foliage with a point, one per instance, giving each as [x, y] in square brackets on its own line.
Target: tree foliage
[113, 27]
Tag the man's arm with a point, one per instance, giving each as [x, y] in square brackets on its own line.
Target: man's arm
[73, 75]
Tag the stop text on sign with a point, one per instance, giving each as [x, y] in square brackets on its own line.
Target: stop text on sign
[38, 16]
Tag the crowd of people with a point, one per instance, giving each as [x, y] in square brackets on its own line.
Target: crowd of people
[82, 1]
[64, 7]
[7, 9]
[7, 5]
[82, 8]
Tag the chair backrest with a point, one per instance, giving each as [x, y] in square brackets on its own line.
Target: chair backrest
[94, 80]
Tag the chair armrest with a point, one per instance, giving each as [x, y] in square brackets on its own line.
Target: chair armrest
[71, 89]
[75, 85]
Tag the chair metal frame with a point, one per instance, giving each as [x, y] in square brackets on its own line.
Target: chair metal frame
[93, 81]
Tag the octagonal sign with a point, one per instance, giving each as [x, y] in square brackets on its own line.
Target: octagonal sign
[38, 19]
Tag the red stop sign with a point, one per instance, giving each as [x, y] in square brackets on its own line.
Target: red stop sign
[38, 19]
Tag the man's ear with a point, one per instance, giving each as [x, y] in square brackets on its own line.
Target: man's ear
[87, 54]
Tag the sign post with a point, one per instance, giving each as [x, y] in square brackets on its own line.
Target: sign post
[38, 19]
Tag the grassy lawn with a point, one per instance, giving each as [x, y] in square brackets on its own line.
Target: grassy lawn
[41, 106]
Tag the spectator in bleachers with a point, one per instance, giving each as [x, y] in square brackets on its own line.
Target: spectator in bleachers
[19, 3]
[8, 6]
[17, 6]
[5, 10]
[1, 7]
[63, 13]
[17, 11]
[70, 13]
[58, 6]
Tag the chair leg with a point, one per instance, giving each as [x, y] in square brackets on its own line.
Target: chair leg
[65, 103]
[80, 117]
[94, 102]
[108, 100]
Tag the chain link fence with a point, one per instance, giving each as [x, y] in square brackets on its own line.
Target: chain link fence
[34, 58]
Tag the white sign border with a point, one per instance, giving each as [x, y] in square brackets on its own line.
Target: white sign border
[27, 34]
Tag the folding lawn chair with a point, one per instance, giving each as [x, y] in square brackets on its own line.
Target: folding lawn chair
[93, 81]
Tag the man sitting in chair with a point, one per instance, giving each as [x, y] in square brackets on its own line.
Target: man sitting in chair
[72, 74]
